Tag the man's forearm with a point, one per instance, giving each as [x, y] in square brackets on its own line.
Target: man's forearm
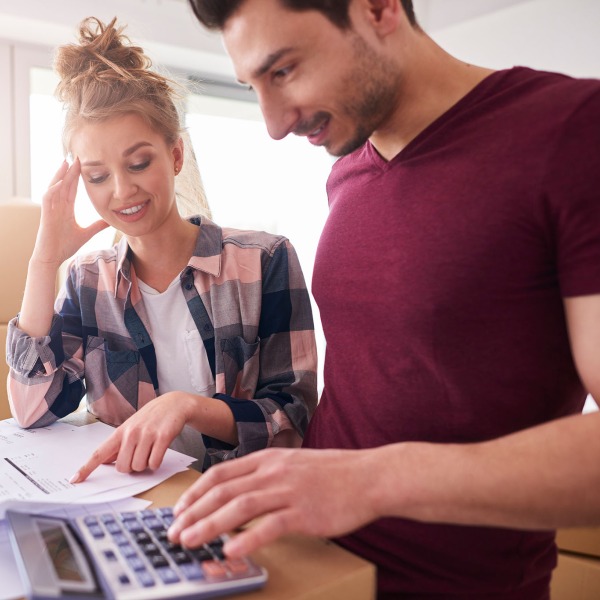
[540, 478]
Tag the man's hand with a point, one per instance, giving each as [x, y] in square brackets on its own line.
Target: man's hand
[313, 492]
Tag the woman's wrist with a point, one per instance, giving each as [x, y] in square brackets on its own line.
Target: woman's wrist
[210, 416]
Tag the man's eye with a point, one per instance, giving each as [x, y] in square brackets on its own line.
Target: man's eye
[280, 73]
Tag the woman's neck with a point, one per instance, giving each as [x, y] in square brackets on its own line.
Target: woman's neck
[158, 258]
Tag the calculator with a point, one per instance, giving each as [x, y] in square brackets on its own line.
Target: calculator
[121, 556]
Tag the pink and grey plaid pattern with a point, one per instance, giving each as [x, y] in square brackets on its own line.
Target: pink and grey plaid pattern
[247, 295]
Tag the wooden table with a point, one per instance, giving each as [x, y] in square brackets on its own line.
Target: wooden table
[300, 568]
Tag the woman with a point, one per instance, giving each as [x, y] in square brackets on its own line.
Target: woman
[183, 334]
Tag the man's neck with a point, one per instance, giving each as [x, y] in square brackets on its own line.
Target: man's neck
[434, 83]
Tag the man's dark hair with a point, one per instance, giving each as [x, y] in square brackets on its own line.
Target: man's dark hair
[213, 14]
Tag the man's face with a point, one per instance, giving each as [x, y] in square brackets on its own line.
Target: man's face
[312, 78]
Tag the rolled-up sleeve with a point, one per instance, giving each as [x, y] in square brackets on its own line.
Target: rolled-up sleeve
[45, 380]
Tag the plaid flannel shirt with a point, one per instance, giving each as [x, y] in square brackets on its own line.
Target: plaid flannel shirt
[246, 293]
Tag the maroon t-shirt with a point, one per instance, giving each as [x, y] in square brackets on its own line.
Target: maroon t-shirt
[440, 278]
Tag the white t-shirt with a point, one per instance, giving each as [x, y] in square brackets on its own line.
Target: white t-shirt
[181, 360]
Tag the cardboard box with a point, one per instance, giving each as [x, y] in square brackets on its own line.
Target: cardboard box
[19, 223]
[580, 541]
[4, 409]
[576, 578]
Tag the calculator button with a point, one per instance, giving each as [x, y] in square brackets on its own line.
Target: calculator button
[218, 552]
[168, 575]
[158, 560]
[133, 525]
[212, 568]
[110, 555]
[107, 518]
[96, 531]
[201, 554]
[149, 549]
[238, 566]
[120, 539]
[192, 571]
[124, 579]
[127, 516]
[141, 537]
[90, 520]
[127, 550]
[170, 546]
[168, 519]
[153, 523]
[136, 563]
[145, 578]
[180, 557]
[166, 511]
[113, 527]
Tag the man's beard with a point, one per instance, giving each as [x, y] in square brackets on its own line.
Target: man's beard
[377, 84]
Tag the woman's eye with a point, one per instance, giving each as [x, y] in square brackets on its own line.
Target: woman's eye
[98, 179]
[140, 166]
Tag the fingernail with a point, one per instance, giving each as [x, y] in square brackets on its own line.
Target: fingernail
[172, 531]
[75, 478]
[233, 548]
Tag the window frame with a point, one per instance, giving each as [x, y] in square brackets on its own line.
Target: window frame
[7, 189]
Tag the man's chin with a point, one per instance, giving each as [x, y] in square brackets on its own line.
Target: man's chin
[349, 146]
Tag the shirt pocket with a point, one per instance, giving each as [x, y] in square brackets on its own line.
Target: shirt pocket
[241, 366]
[201, 376]
[112, 380]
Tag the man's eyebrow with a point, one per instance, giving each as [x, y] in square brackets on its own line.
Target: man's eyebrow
[128, 152]
[270, 61]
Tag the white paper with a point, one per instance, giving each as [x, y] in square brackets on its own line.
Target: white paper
[36, 465]
[35, 468]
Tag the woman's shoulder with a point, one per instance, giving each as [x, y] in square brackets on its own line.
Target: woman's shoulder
[101, 260]
[247, 238]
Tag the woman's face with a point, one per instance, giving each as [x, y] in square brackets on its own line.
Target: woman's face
[128, 170]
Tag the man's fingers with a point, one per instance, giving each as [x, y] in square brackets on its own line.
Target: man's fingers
[218, 474]
[105, 453]
[263, 532]
[205, 520]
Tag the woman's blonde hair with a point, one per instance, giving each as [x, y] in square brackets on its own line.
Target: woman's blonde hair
[105, 75]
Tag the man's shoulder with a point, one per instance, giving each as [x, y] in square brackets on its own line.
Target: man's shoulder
[547, 87]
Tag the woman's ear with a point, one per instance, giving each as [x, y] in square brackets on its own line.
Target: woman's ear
[178, 156]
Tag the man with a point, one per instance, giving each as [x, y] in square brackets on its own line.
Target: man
[458, 281]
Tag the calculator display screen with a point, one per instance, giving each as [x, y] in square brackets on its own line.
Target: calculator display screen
[60, 553]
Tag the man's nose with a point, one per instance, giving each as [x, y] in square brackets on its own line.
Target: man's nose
[279, 117]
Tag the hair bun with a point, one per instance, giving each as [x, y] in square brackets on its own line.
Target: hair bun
[103, 54]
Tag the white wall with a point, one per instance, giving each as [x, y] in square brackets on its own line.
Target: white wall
[166, 28]
[554, 35]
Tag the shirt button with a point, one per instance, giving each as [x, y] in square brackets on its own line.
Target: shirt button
[189, 286]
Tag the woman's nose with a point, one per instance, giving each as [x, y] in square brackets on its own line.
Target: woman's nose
[124, 187]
